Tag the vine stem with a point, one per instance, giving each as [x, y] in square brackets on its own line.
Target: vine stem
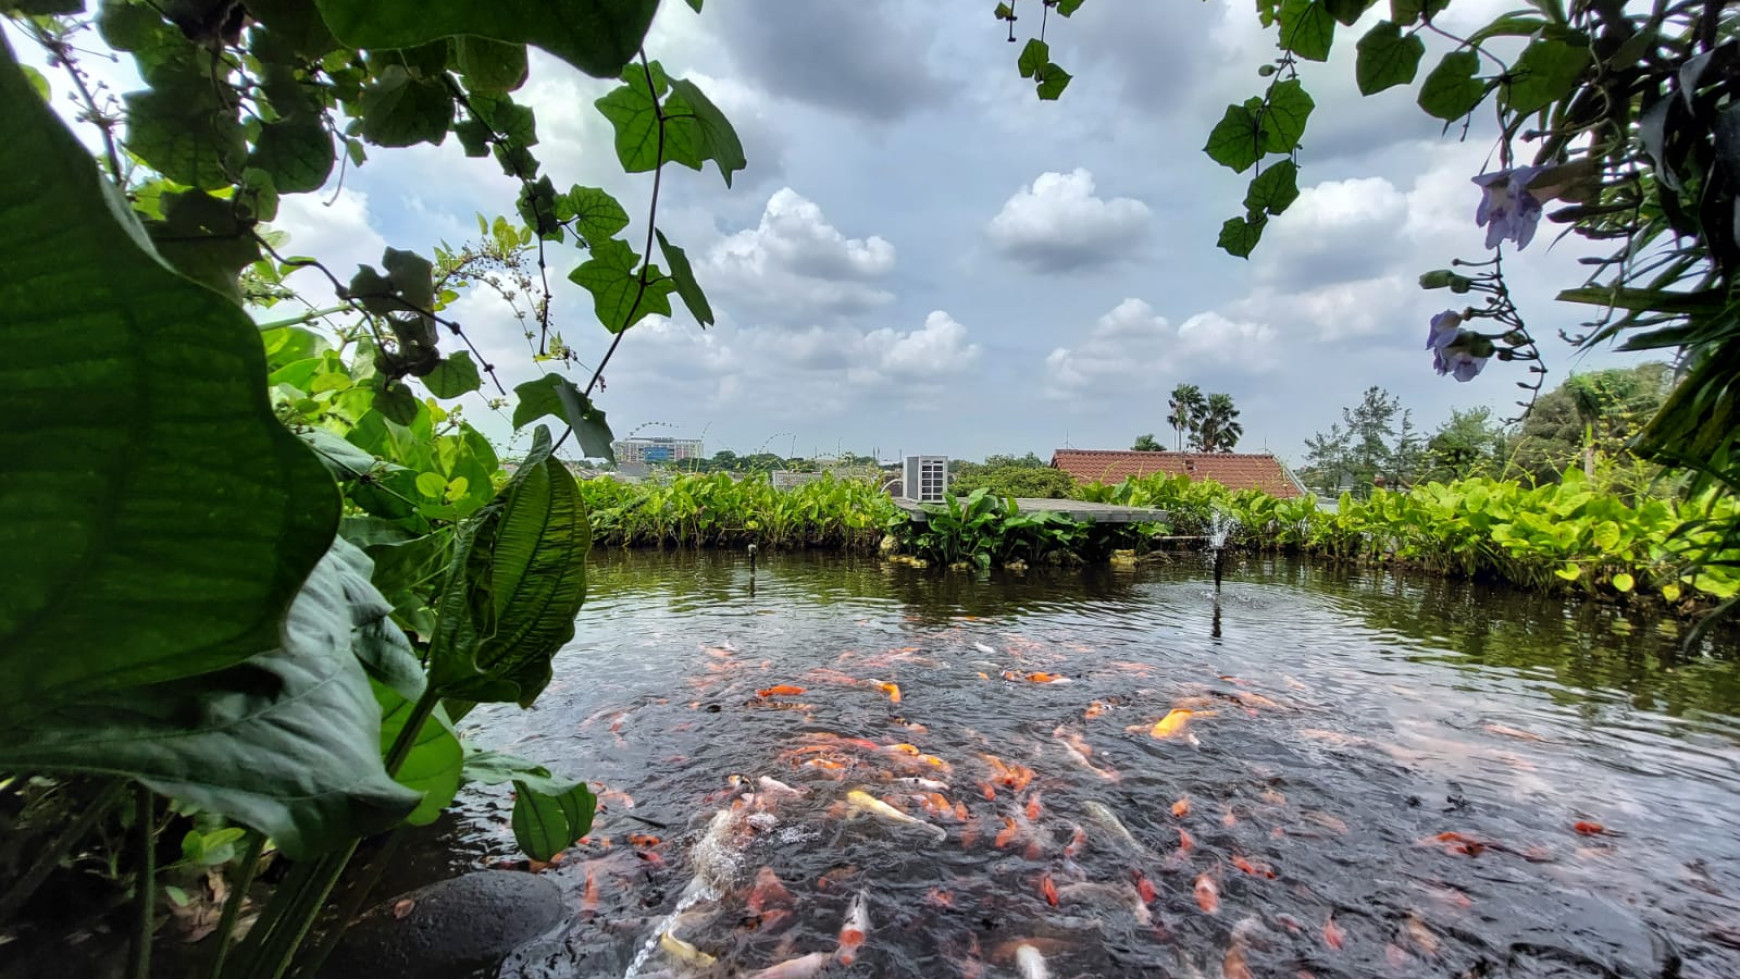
[57, 848]
[61, 52]
[238, 894]
[145, 815]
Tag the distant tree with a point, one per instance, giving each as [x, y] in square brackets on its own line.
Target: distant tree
[1023, 481]
[1326, 460]
[1028, 461]
[1469, 443]
[1408, 455]
[1146, 443]
[1366, 444]
[1217, 429]
[1370, 428]
[1186, 404]
[1590, 416]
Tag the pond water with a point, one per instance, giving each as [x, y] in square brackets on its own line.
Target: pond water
[1378, 777]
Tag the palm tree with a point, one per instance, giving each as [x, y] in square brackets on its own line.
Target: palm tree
[1218, 429]
[1145, 443]
[1187, 407]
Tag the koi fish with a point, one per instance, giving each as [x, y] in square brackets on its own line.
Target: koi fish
[780, 690]
[1100, 813]
[1455, 844]
[589, 900]
[1030, 963]
[803, 967]
[1007, 834]
[1034, 807]
[774, 787]
[642, 840]
[1511, 732]
[1048, 889]
[1233, 966]
[1014, 777]
[1077, 840]
[1173, 724]
[981, 647]
[683, 952]
[858, 801]
[1078, 751]
[1035, 677]
[1118, 896]
[1181, 808]
[1586, 828]
[926, 784]
[1254, 869]
[891, 689]
[1333, 935]
[853, 930]
[1253, 700]
[1144, 887]
[1228, 818]
[1207, 893]
[1095, 709]
[1421, 935]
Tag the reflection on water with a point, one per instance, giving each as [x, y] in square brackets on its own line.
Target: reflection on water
[1377, 777]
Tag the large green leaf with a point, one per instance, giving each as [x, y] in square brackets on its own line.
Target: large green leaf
[1544, 73]
[1275, 189]
[596, 215]
[1386, 58]
[719, 141]
[517, 581]
[596, 36]
[401, 110]
[285, 742]
[159, 519]
[1239, 236]
[548, 822]
[1307, 29]
[684, 278]
[1451, 90]
[555, 395]
[1233, 141]
[618, 295]
[1285, 118]
[436, 761]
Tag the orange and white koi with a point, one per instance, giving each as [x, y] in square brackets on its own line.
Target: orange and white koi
[925, 784]
[803, 967]
[859, 801]
[853, 930]
[1207, 893]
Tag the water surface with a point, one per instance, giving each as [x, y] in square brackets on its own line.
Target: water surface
[1344, 723]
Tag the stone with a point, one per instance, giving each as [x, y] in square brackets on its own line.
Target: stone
[451, 928]
[1591, 934]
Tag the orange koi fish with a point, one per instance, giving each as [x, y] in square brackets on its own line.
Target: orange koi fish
[1333, 935]
[853, 930]
[1421, 936]
[642, 840]
[936, 897]
[1181, 808]
[1207, 893]
[1077, 840]
[1586, 828]
[1048, 889]
[892, 690]
[1233, 966]
[1145, 887]
[1185, 842]
[1007, 834]
[1034, 807]
[589, 900]
[768, 890]
[904, 749]
[780, 690]
[1254, 869]
[1455, 844]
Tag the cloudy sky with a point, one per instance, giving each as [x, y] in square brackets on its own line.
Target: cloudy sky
[922, 257]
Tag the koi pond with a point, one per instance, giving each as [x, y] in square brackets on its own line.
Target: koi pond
[846, 768]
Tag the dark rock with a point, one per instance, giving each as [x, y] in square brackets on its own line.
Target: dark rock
[449, 929]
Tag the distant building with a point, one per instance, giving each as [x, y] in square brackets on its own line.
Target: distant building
[657, 449]
[1234, 470]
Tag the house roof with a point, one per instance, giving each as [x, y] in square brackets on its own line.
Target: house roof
[1234, 470]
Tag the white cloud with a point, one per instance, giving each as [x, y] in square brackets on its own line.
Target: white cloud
[1056, 224]
[1134, 347]
[339, 234]
[795, 266]
[938, 349]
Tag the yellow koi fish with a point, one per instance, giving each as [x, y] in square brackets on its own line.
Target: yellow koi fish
[858, 801]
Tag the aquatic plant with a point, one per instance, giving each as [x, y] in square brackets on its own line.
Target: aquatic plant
[983, 529]
[716, 510]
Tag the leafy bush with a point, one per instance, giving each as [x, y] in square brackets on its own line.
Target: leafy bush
[714, 510]
[985, 529]
[1021, 481]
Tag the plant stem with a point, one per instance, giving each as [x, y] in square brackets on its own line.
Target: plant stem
[146, 816]
[238, 894]
[353, 903]
[50, 857]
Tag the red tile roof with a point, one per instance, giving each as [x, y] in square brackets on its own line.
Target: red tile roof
[1234, 470]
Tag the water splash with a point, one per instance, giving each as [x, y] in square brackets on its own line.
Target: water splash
[716, 862]
[1220, 524]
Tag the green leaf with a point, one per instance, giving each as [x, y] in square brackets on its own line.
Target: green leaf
[1233, 141]
[1052, 81]
[298, 153]
[38, 82]
[1386, 58]
[186, 134]
[596, 36]
[634, 115]
[1406, 12]
[204, 239]
[1238, 236]
[1067, 7]
[1624, 582]
[1284, 120]
[1275, 189]
[684, 277]
[1570, 572]
[1451, 91]
[1348, 11]
[284, 742]
[159, 519]
[490, 67]
[1307, 29]
[617, 293]
[719, 141]
[435, 766]
[432, 485]
[399, 110]
[517, 581]
[454, 376]
[546, 823]
[1033, 57]
[1545, 72]
[597, 215]
[696, 4]
[298, 22]
[555, 395]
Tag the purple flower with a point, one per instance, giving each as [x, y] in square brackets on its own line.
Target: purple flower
[1464, 356]
[1507, 209]
[1445, 326]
